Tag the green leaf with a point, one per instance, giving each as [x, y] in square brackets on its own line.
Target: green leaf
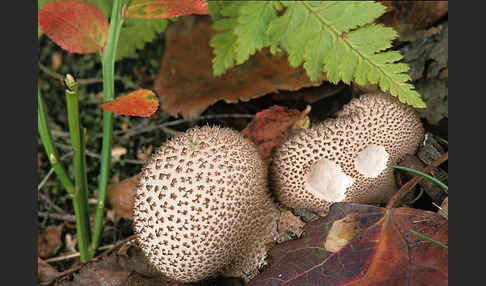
[224, 45]
[345, 16]
[336, 37]
[135, 33]
[251, 31]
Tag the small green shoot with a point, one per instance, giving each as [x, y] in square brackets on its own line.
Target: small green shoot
[444, 186]
[429, 239]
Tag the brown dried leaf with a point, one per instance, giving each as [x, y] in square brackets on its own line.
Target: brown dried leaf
[409, 18]
[45, 272]
[444, 207]
[270, 127]
[186, 84]
[117, 270]
[289, 226]
[49, 241]
[120, 196]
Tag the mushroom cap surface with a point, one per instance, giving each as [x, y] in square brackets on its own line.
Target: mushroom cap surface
[369, 134]
[203, 206]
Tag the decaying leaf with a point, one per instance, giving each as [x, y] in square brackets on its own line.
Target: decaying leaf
[150, 9]
[410, 17]
[46, 272]
[289, 226]
[75, 26]
[270, 127]
[363, 245]
[120, 196]
[186, 85]
[49, 241]
[141, 102]
[129, 268]
[444, 207]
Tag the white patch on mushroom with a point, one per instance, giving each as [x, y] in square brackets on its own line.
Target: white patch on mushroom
[371, 161]
[327, 181]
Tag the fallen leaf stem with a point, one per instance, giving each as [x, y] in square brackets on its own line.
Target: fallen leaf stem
[108, 66]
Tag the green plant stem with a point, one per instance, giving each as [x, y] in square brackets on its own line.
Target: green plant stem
[108, 66]
[444, 186]
[51, 151]
[80, 198]
[429, 239]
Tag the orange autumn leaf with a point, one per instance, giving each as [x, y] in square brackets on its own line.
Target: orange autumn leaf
[77, 27]
[165, 8]
[270, 127]
[142, 102]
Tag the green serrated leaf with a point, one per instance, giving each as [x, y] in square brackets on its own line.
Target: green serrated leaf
[314, 54]
[362, 72]
[386, 57]
[333, 61]
[371, 38]
[278, 32]
[224, 52]
[345, 17]
[254, 18]
[135, 33]
[348, 65]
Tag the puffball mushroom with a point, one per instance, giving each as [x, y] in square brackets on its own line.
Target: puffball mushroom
[346, 158]
[203, 206]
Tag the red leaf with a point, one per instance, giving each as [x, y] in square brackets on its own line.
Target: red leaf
[271, 126]
[142, 102]
[77, 27]
[363, 245]
[166, 8]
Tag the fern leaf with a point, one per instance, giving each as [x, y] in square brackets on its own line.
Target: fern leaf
[338, 37]
[135, 33]
[224, 45]
[251, 31]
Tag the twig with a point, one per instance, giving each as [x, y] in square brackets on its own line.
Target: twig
[64, 217]
[107, 249]
[170, 131]
[180, 121]
[98, 156]
[412, 182]
[58, 76]
[77, 267]
[44, 180]
[53, 205]
[142, 128]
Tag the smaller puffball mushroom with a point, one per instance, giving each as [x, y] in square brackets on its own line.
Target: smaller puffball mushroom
[203, 207]
[346, 158]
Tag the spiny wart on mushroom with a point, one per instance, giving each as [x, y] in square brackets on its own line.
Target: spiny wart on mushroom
[203, 206]
[346, 158]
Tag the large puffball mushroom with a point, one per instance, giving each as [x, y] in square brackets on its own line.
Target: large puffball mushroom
[346, 158]
[203, 207]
